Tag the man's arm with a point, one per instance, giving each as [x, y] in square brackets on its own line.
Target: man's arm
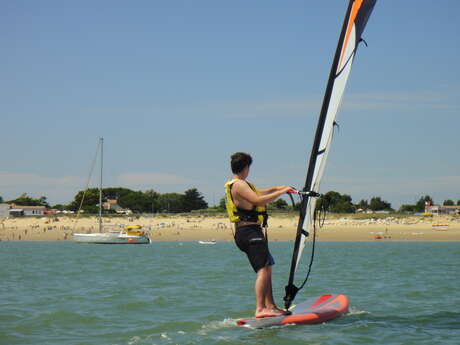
[244, 191]
[270, 190]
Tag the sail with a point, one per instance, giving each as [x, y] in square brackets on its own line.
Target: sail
[356, 17]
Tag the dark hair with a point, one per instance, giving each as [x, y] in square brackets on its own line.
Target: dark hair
[239, 161]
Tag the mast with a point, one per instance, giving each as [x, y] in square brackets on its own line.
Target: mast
[356, 17]
[101, 141]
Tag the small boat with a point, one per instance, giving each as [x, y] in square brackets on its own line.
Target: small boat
[207, 242]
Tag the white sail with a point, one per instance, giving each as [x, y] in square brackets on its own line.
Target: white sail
[342, 73]
[356, 18]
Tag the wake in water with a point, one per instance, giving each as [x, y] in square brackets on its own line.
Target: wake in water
[353, 311]
[216, 325]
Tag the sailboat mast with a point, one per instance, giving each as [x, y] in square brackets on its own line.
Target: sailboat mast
[100, 184]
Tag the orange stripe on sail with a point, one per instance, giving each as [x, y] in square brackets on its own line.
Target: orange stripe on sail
[354, 12]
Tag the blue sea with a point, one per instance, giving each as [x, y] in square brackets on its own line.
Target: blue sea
[187, 293]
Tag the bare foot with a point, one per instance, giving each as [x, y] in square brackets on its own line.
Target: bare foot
[267, 312]
[274, 307]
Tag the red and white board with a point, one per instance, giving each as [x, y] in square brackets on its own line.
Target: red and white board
[314, 310]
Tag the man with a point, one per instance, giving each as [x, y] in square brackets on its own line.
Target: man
[246, 207]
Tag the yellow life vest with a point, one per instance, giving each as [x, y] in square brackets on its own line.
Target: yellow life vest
[235, 214]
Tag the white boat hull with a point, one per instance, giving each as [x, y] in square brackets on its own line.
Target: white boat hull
[111, 238]
[207, 242]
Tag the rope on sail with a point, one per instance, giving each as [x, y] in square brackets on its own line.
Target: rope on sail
[318, 222]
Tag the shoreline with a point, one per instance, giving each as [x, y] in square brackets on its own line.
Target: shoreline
[191, 228]
[270, 241]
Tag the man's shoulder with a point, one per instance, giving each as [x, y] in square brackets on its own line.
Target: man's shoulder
[243, 185]
[239, 182]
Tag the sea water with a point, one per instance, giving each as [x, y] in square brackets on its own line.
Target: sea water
[187, 293]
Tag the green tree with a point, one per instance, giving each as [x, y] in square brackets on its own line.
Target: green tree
[115, 193]
[407, 208]
[336, 202]
[458, 202]
[138, 202]
[448, 202]
[171, 202]
[152, 194]
[222, 204]
[193, 200]
[153, 199]
[59, 207]
[377, 204]
[1, 199]
[279, 204]
[363, 204]
[90, 201]
[25, 200]
[420, 205]
[43, 202]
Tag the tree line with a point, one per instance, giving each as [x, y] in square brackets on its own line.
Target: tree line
[336, 202]
[342, 203]
[150, 201]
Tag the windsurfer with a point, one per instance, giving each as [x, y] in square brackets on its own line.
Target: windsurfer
[246, 206]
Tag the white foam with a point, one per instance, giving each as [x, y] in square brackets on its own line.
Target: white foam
[165, 335]
[214, 325]
[220, 324]
[134, 340]
[353, 311]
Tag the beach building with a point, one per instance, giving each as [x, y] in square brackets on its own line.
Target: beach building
[439, 210]
[4, 210]
[16, 212]
[19, 210]
[112, 205]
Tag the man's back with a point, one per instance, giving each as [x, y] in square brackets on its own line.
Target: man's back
[239, 190]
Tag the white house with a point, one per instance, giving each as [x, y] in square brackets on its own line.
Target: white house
[112, 204]
[27, 210]
[438, 209]
[4, 210]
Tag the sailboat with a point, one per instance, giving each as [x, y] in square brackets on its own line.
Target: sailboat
[131, 234]
[326, 307]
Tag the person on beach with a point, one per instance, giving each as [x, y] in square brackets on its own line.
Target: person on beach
[246, 207]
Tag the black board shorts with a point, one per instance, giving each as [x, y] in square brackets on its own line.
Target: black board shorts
[251, 240]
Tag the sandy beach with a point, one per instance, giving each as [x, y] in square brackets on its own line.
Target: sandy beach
[204, 227]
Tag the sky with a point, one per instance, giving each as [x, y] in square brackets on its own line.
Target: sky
[176, 87]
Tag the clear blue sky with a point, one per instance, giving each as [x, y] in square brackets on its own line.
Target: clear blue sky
[175, 87]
